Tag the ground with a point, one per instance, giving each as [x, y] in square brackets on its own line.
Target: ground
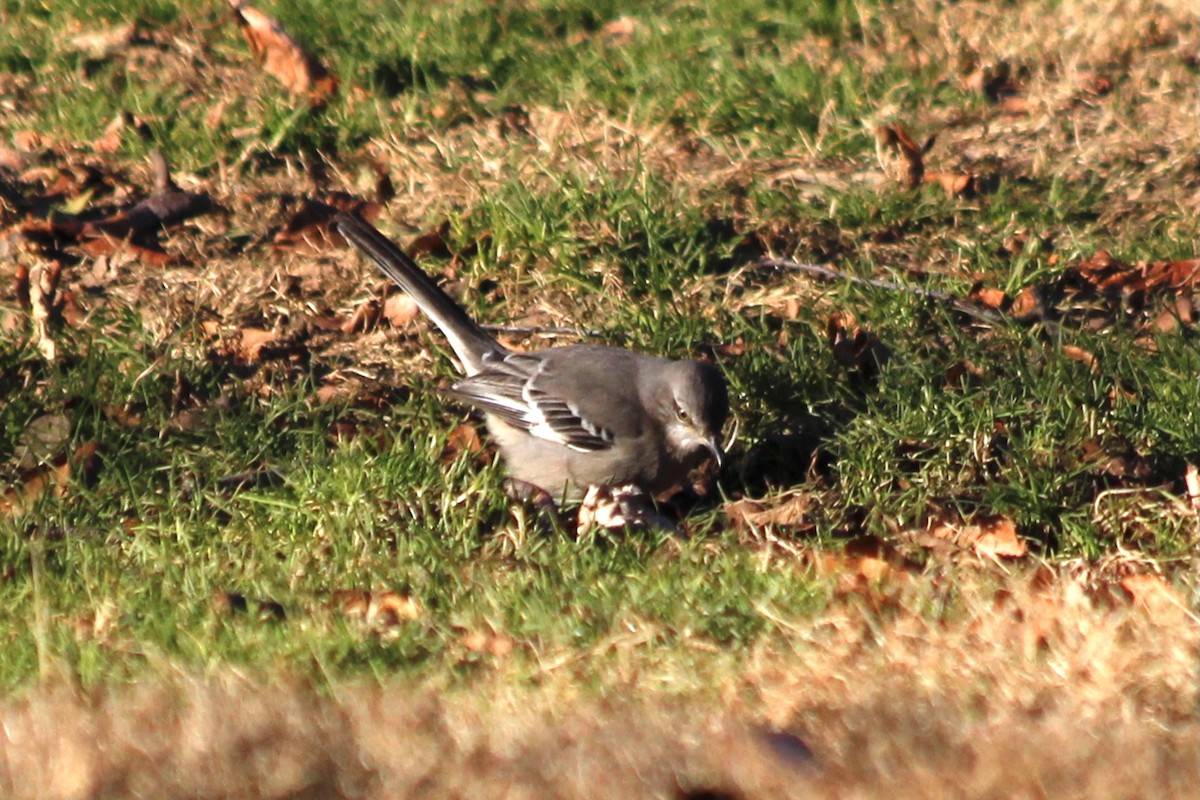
[944, 254]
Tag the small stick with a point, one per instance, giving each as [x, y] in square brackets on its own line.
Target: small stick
[946, 299]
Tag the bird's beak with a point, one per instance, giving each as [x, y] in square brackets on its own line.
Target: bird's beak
[715, 448]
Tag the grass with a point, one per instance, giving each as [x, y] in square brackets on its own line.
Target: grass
[617, 168]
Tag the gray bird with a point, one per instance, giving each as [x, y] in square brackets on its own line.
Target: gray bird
[568, 418]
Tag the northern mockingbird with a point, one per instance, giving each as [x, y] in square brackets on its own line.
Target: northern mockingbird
[569, 418]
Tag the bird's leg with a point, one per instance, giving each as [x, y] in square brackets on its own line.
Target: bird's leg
[527, 494]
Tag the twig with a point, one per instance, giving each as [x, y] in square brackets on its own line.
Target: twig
[946, 299]
[538, 330]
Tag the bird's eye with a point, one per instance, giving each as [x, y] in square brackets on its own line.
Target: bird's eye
[682, 414]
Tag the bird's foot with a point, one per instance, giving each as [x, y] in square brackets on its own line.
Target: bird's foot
[545, 511]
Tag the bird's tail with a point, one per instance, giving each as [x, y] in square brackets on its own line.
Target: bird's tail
[469, 341]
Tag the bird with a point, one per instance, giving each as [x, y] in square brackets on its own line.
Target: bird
[568, 419]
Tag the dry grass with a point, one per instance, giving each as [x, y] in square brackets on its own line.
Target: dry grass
[1035, 686]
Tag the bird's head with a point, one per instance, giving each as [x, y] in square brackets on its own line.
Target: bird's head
[695, 407]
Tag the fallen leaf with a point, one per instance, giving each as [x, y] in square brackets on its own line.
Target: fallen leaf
[989, 535]
[30, 140]
[1027, 305]
[1076, 353]
[1155, 595]
[620, 30]
[853, 347]
[400, 309]
[43, 287]
[952, 183]
[309, 229]
[52, 478]
[901, 158]
[215, 113]
[363, 318]
[253, 340]
[463, 439]
[226, 604]
[788, 511]
[1191, 480]
[105, 42]
[989, 297]
[385, 608]
[490, 642]
[282, 57]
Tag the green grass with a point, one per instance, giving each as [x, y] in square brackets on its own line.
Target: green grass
[637, 251]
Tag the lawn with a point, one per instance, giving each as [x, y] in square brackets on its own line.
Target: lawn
[945, 255]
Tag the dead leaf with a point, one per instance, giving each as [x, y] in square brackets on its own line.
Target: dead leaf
[215, 113]
[788, 511]
[952, 183]
[105, 42]
[867, 567]
[253, 340]
[853, 347]
[1191, 480]
[902, 159]
[989, 535]
[489, 642]
[1155, 595]
[385, 609]
[30, 141]
[433, 242]
[463, 439]
[310, 231]
[1076, 353]
[1027, 305]
[964, 373]
[620, 30]
[400, 309]
[226, 604]
[43, 287]
[988, 297]
[53, 478]
[282, 57]
[363, 318]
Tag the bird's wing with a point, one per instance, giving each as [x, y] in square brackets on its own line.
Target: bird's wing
[520, 389]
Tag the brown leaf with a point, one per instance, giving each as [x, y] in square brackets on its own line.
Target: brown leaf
[400, 309]
[899, 156]
[43, 288]
[989, 535]
[385, 609]
[282, 57]
[1191, 481]
[215, 113]
[620, 30]
[989, 297]
[964, 373]
[309, 230]
[363, 318]
[1076, 353]
[490, 642]
[252, 341]
[1027, 305]
[52, 478]
[433, 242]
[789, 511]
[110, 140]
[106, 41]
[952, 183]
[1014, 106]
[1151, 592]
[853, 347]
[463, 439]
